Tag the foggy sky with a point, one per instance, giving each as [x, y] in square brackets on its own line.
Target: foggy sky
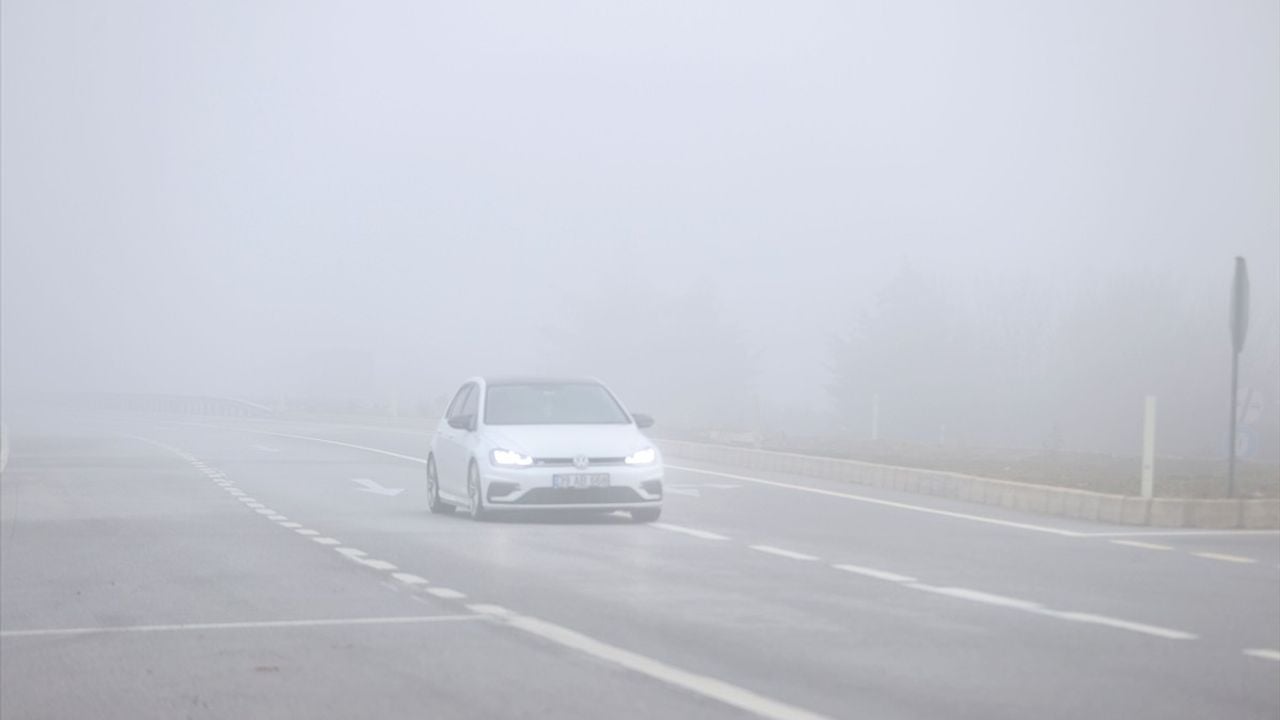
[223, 197]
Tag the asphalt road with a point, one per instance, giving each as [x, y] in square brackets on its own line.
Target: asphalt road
[268, 569]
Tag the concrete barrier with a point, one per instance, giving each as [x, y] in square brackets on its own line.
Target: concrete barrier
[1029, 497]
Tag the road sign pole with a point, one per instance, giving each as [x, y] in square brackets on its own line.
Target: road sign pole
[1149, 447]
[1239, 330]
[1231, 439]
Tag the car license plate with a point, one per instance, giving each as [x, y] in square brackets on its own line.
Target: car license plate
[580, 480]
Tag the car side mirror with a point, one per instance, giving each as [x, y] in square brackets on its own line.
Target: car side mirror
[463, 422]
[642, 421]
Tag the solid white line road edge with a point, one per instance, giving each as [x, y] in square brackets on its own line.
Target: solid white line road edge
[707, 687]
[885, 503]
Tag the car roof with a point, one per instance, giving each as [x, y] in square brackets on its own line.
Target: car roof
[538, 380]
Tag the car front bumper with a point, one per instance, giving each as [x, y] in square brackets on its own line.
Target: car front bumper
[531, 488]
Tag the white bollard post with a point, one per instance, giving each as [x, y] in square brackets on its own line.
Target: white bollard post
[1149, 447]
[875, 416]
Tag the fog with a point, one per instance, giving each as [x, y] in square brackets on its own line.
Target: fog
[1005, 223]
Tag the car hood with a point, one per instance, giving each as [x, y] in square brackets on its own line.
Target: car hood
[566, 441]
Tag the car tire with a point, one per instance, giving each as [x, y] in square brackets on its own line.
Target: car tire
[645, 515]
[434, 503]
[475, 492]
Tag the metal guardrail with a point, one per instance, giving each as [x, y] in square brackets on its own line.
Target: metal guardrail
[160, 403]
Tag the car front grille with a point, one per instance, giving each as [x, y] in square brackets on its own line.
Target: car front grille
[568, 462]
[579, 496]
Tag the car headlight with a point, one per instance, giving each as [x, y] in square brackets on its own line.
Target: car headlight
[642, 457]
[509, 458]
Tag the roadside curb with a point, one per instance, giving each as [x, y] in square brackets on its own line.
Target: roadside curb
[1043, 499]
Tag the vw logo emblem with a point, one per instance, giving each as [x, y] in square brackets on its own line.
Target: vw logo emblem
[580, 461]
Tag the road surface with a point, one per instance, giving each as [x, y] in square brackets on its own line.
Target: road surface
[244, 568]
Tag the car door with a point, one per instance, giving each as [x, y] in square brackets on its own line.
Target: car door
[466, 440]
[449, 450]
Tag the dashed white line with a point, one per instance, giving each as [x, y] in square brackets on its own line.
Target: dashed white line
[290, 525]
[327, 541]
[446, 593]
[1225, 558]
[277, 517]
[783, 553]
[350, 552]
[980, 597]
[873, 573]
[242, 625]
[306, 531]
[705, 535]
[409, 578]
[1119, 624]
[265, 511]
[708, 687]
[1140, 544]
[1038, 609]
[236, 491]
[377, 564]
[1264, 653]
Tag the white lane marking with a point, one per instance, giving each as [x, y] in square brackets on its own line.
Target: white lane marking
[708, 687]
[306, 531]
[265, 448]
[1038, 609]
[255, 505]
[402, 620]
[411, 458]
[1181, 533]
[705, 535]
[689, 492]
[409, 578]
[327, 541]
[873, 573]
[783, 553]
[487, 609]
[352, 553]
[277, 517]
[1140, 544]
[446, 593]
[1264, 653]
[1122, 624]
[265, 511]
[236, 491]
[980, 597]
[1225, 558]
[372, 486]
[291, 525]
[377, 564]
[886, 503]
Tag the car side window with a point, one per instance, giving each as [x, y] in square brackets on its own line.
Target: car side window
[471, 405]
[459, 400]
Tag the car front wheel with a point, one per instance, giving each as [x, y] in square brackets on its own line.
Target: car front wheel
[434, 503]
[475, 492]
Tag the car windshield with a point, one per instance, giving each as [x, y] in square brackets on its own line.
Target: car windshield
[551, 404]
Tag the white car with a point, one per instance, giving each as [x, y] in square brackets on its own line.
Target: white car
[540, 444]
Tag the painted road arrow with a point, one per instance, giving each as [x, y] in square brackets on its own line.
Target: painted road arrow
[368, 485]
